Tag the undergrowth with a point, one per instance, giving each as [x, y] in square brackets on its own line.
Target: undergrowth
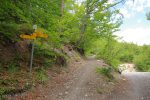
[106, 72]
[12, 67]
[41, 76]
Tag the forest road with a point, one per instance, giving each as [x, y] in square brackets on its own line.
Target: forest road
[140, 85]
[83, 84]
[85, 81]
[137, 87]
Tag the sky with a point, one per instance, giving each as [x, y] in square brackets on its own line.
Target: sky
[135, 27]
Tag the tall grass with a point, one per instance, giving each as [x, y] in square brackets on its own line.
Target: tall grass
[106, 72]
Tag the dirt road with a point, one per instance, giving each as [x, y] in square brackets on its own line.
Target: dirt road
[85, 81]
[140, 83]
[136, 88]
[83, 84]
[135, 85]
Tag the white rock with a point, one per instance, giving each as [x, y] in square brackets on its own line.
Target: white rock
[86, 95]
[66, 92]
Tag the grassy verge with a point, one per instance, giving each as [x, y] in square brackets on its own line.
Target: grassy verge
[108, 79]
[106, 72]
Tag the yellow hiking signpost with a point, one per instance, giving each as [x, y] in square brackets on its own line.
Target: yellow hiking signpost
[33, 36]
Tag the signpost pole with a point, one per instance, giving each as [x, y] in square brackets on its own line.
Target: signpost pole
[31, 58]
[33, 37]
[32, 51]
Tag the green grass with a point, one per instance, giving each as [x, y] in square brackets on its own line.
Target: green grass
[1, 97]
[48, 63]
[12, 67]
[13, 64]
[41, 76]
[106, 72]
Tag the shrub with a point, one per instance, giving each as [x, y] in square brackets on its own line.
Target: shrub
[48, 63]
[106, 72]
[126, 58]
[114, 63]
[142, 62]
[9, 31]
[12, 67]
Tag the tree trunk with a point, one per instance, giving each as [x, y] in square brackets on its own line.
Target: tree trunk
[84, 24]
[61, 17]
[62, 7]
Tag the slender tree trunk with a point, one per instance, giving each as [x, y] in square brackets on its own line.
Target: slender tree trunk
[109, 48]
[61, 17]
[62, 7]
[84, 24]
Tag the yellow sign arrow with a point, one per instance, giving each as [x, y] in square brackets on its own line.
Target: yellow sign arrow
[34, 35]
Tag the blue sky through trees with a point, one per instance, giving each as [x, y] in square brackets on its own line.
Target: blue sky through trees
[135, 27]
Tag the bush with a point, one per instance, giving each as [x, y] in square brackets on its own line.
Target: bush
[114, 63]
[44, 53]
[142, 62]
[9, 31]
[48, 63]
[25, 28]
[127, 58]
[12, 67]
[55, 58]
[106, 72]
